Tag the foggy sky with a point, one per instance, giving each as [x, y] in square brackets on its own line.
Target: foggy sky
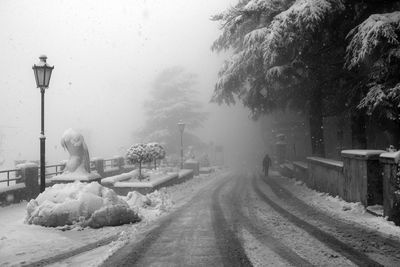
[105, 53]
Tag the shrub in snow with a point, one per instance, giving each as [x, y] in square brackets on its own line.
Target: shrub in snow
[151, 205]
[85, 204]
[136, 200]
[157, 152]
[139, 153]
[159, 199]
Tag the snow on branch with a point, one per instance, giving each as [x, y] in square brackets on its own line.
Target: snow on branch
[291, 25]
[267, 7]
[228, 79]
[374, 98]
[246, 16]
[255, 38]
[383, 97]
[276, 72]
[377, 30]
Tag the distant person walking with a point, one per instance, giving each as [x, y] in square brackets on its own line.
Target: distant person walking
[266, 163]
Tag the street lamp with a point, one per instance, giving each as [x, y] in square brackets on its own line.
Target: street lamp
[181, 127]
[42, 73]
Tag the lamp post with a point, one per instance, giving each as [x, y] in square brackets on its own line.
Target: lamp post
[181, 127]
[42, 73]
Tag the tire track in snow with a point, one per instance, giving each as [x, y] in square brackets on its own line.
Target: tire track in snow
[74, 252]
[345, 250]
[231, 250]
[261, 234]
[283, 193]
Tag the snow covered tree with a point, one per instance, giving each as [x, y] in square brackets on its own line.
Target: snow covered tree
[138, 154]
[157, 152]
[278, 53]
[172, 98]
[375, 48]
[292, 54]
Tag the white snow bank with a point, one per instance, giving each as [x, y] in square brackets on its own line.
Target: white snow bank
[79, 203]
[353, 212]
[151, 205]
[137, 200]
[120, 177]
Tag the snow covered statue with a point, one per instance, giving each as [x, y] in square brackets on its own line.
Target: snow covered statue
[77, 167]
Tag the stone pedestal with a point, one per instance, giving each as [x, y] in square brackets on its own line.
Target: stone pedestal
[363, 176]
[192, 165]
[391, 186]
[281, 149]
[29, 175]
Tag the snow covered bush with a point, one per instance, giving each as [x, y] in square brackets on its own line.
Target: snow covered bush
[84, 204]
[160, 199]
[157, 152]
[139, 153]
[151, 205]
[136, 200]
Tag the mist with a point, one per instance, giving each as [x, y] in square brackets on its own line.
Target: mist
[106, 55]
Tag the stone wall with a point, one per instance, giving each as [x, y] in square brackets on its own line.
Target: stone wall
[325, 175]
[358, 178]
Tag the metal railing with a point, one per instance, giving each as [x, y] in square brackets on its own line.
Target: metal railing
[109, 163]
[57, 169]
[12, 175]
[8, 176]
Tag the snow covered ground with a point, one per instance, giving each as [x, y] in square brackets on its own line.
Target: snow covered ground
[337, 207]
[22, 243]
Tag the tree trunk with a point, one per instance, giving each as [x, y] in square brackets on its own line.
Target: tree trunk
[140, 171]
[316, 126]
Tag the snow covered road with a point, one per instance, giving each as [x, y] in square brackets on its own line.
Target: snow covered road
[243, 220]
[186, 237]
[229, 218]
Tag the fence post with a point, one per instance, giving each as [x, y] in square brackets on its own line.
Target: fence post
[281, 149]
[30, 175]
[391, 187]
[120, 163]
[63, 163]
[99, 165]
[363, 177]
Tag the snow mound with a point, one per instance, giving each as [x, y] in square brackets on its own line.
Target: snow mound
[354, 207]
[85, 204]
[149, 206]
[136, 200]
[160, 200]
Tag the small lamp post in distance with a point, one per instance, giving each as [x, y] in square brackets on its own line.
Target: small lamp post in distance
[42, 72]
[181, 127]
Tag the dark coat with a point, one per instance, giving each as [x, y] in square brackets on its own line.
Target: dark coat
[266, 161]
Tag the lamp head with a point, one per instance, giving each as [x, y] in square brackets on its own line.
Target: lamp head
[181, 126]
[42, 72]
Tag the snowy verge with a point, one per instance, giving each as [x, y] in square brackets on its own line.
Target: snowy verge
[353, 212]
[23, 244]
